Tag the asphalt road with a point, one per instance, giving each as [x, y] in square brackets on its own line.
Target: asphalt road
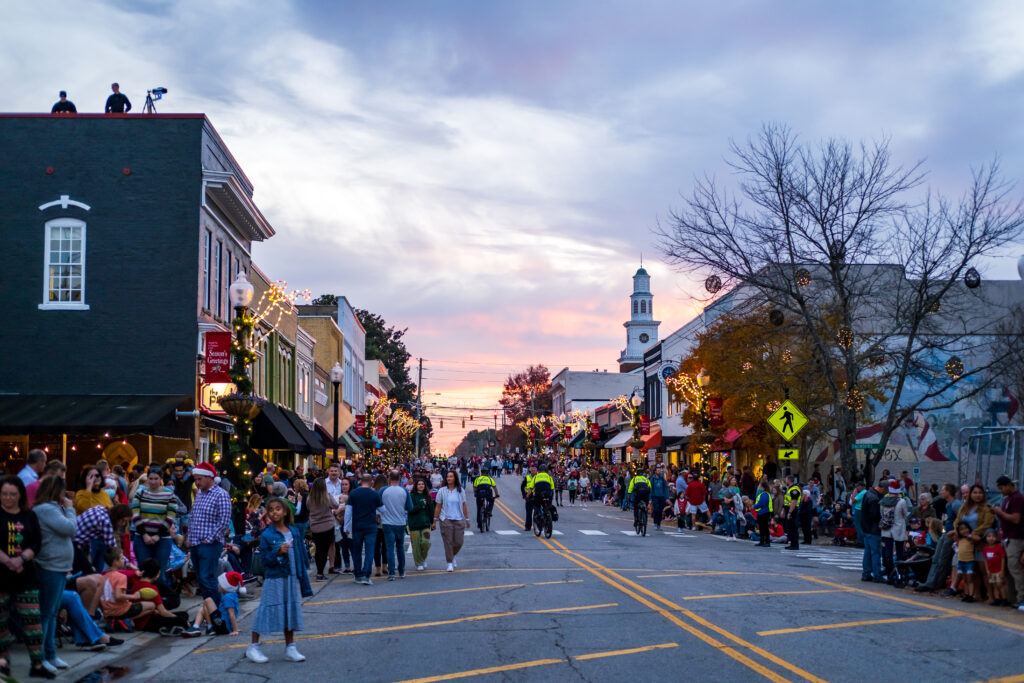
[598, 603]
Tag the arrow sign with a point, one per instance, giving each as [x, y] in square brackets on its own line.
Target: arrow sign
[789, 453]
[788, 420]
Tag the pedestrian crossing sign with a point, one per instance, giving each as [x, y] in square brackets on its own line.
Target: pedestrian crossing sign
[788, 420]
[789, 453]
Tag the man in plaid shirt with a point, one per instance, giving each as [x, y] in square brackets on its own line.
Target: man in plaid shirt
[97, 529]
[209, 522]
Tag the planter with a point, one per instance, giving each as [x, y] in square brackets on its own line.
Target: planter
[636, 444]
[240, 406]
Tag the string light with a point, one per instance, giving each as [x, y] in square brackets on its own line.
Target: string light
[955, 367]
[844, 337]
[854, 399]
[747, 365]
[803, 277]
[787, 356]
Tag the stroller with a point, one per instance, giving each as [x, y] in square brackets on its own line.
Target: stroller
[844, 534]
[916, 567]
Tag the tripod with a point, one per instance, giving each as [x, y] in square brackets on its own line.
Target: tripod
[149, 107]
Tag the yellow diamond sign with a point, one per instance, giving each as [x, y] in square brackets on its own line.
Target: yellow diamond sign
[788, 420]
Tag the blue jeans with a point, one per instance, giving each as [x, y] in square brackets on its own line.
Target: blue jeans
[730, 524]
[85, 629]
[394, 541]
[159, 551]
[97, 549]
[206, 563]
[363, 541]
[857, 527]
[51, 590]
[871, 566]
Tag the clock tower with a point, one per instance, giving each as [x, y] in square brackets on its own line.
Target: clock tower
[642, 328]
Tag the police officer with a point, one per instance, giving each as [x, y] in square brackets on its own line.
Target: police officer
[639, 493]
[791, 500]
[485, 491]
[764, 509]
[526, 488]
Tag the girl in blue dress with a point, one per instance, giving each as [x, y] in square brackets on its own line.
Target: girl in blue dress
[285, 584]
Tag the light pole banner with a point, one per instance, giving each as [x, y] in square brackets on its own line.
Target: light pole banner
[360, 425]
[218, 358]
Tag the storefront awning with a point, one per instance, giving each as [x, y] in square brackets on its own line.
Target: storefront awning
[619, 440]
[673, 443]
[652, 441]
[87, 414]
[726, 441]
[273, 431]
[350, 441]
[313, 444]
[577, 439]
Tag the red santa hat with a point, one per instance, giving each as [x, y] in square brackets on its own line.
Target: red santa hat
[204, 469]
[231, 582]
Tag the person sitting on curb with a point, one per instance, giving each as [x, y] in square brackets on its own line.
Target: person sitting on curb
[222, 620]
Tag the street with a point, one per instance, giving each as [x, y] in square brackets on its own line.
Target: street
[596, 603]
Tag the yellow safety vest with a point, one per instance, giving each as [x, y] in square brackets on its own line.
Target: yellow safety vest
[788, 498]
[770, 505]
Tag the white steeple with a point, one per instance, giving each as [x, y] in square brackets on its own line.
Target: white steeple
[642, 328]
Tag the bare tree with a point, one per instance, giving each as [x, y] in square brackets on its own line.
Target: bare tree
[836, 238]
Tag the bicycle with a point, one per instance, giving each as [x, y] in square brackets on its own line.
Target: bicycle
[486, 508]
[542, 520]
[640, 518]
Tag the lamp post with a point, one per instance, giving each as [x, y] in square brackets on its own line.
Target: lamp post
[703, 381]
[240, 293]
[336, 374]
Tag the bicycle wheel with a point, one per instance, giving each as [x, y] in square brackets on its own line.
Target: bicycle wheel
[547, 528]
[538, 524]
[643, 522]
[487, 521]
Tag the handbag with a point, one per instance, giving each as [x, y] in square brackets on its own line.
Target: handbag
[337, 533]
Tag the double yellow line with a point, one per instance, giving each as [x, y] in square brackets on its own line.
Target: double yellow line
[669, 610]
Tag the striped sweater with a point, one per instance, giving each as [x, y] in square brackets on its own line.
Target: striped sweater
[153, 513]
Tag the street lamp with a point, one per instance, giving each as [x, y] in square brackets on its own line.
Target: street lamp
[703, 381]
[244, 406]
[336, 374]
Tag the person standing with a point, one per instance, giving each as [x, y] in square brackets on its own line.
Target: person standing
[56, 515]
[871, 514]
[420, 517]
[791, 501]
[208, 527]
[525, 487]
[117, 103]
[322, 507]
[34, 466]
[893, 525]
[453, 514]
[1011, 518]
[285, 585]
[856, 505]
[659, 494]
[763, 509]
[64, 105]
[394, 517]
[154, 508]
[363, 504]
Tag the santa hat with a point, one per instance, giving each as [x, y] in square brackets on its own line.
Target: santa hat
[894, 486]
[231, 582]
[204, 469]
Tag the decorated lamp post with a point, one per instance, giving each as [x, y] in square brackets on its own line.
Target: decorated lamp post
[336, 375]
[243, 405]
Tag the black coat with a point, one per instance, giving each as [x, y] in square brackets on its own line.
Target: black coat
[871, 513]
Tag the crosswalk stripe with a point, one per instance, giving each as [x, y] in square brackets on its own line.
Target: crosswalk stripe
[628, 533]
[592, 532]
[556, 532]
[467, 532]
[507, 532]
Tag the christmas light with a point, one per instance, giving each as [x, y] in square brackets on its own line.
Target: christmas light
[844, 337]
[955, 368]
[854, 399]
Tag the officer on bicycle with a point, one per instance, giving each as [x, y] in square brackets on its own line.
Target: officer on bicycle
[541, 489]
[486, 491]
[639, 492]
[526, 487]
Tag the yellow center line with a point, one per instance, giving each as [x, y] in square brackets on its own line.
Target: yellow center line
[1019, 678]
[536, 662]
[620, 582]
[916, 603]
[442, 592]
[407, 627]
[744, 595]
[851, 624]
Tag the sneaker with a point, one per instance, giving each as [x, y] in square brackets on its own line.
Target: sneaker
[391, 577]
[50, 666]
[455, 563]
[93, 647]
[42, 672]
[950, 592]
[346, 570]
[450, 567]
[366, 581]
[292, 654]
[191, 632]
[1020, 607]
[113, 642]
[59, 663]
[401, 575]
[170, 631]
[254, 654]
[320, 577]
[967, 598]
[420, 567]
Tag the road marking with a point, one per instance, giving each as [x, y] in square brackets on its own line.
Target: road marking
[443, 592]
[507, 532]
[537, 662]
[467, 532]
[1019, 678]
[592, 532]
[407, 627]
[629, 533]
[851, 624]
[556, 532]
[619, 582]
[744, 595]
[695, 572]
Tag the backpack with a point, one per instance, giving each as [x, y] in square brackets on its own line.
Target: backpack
[641, 488]
[888, 512]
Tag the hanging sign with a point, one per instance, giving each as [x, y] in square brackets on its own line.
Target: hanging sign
[218, 358]
[380, 430]
[568, 432]
[789, 453]
[360, 425]
[645, 425]
[533, 434]
[595, 431]
[715, 418]
[788, 420]
[547, 432]
[209, 397]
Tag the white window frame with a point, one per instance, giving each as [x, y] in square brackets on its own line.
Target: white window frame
[48, 305]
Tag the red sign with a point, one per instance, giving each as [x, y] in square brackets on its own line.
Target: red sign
[645, 425]
[533, 434]
[715, 418]
[380, 430]
[218, 357]
[547, 432]
[595, 431]
[568, 432]
[360, 425]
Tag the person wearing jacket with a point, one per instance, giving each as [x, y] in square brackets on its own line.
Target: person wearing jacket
[56, 515]
[659, 494]
[893, 526]
[870, 515]
[763, 507]
[420, 516]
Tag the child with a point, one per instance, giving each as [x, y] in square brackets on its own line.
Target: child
[965, 559]
[221, 620]
[117, 604]
[995, 559]
[280, 602]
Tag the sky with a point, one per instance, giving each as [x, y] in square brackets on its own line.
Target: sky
[488, 174]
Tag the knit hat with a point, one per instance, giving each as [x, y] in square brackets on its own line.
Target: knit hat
[204, 469]
[231, 582]
[894, 486]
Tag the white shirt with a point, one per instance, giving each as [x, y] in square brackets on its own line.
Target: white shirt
[334, 488]
[451, 501]
[435, 480]
[28, 475]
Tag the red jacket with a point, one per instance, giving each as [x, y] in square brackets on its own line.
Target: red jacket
[696, 493]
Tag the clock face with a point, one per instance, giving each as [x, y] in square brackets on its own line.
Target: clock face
[644, 338]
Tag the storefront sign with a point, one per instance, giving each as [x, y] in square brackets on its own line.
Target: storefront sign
[595, 431]
[715, 418]
[218, 358]
[209, 397]
[645, 425]
[360, 425]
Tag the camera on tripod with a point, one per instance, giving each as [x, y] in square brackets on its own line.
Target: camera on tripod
[151, 96]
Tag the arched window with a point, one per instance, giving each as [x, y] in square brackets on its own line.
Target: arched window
[635, 304]
[64, 264]
[650, 307]
[643, 306]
